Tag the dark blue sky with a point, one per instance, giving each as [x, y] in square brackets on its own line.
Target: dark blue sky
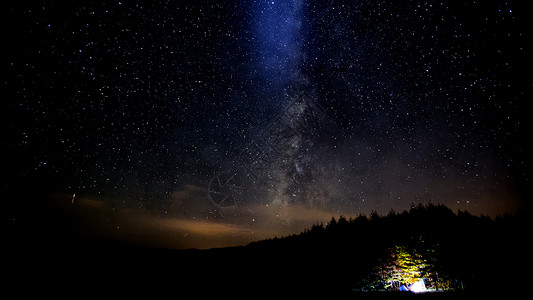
[345, 106]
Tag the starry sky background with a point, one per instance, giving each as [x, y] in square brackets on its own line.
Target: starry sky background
[145, 110]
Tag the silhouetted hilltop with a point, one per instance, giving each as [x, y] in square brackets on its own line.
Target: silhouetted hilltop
[458, 252]
[345, 257]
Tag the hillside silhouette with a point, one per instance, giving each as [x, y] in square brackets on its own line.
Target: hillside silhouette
[345, 257]
[468, 253]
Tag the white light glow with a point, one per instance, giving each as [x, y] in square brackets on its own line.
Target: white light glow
[418, 287]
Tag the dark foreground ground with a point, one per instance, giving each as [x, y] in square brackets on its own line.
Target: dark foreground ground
[158, 273]
[490, 257]
[102, 269]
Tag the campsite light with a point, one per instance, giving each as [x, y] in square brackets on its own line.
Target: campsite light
[418, 287]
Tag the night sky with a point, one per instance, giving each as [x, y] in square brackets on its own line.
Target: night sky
[216, 123]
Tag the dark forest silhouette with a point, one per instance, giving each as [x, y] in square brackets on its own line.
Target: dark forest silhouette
[465, 253]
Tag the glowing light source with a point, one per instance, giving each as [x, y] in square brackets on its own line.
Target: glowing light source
[406, 269]
[418, 286]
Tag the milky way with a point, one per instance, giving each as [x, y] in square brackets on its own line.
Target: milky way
[262, 117]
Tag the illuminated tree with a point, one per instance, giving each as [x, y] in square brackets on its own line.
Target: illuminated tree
[402, 265]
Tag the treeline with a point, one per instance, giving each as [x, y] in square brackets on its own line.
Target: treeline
[477, 251]
[328, 261]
